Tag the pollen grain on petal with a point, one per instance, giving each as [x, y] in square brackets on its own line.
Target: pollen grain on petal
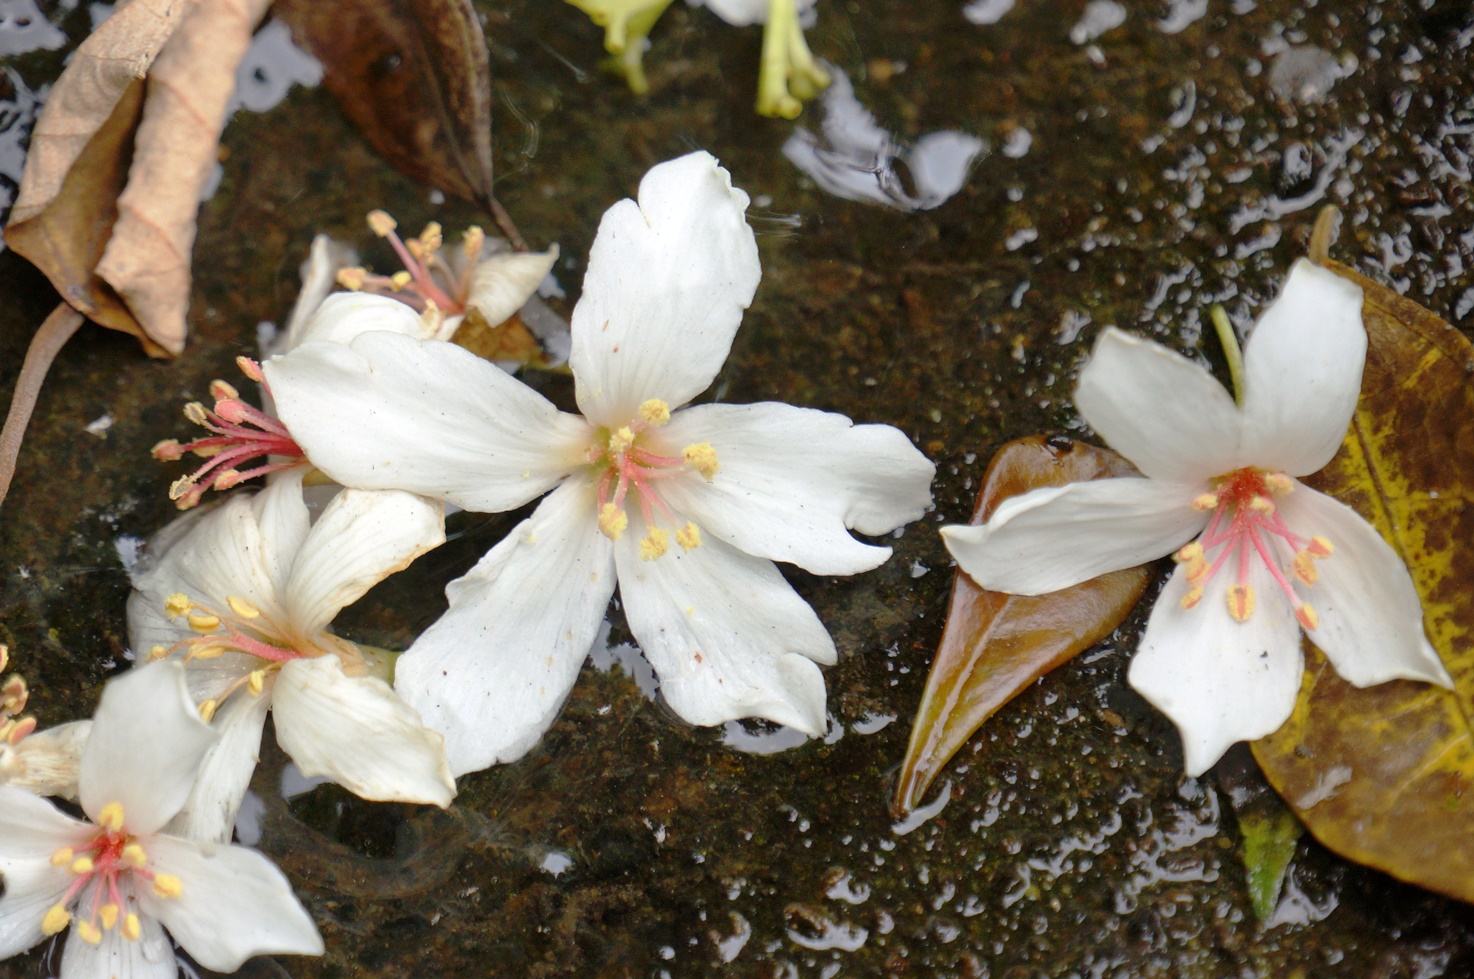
[62, 857]
[689, 537]
[655, 544]
[1206, 502]
[655, 411]
[89, 932]
[167, 886]
[701, 457]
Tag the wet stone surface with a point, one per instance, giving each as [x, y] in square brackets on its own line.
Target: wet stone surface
[1135, 164]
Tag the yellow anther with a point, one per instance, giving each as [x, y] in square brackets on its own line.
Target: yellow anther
[621, 439]
[654, 545]
[62, 857]
[81, 865]
[132, 930]
[195, 412]
[432, 237]
[1308, 619]
[4, 657]
[242, 607]
[1193, 597]
[1262, 505]
[352, 279]
[177, 604]
[167, 885]
[400, 279]
[1320, 547]
[210, 651]
[89, 932]
[19, 729]
[256, 682]
[134, 856]
[1241, 602]
[381, 223]
[701, 457]
[1205, 502]
[1279, 484]
[250, 368]
[655, 411]
[223, 391]
[109, 915]
[56, 920]
[207, 710]
[1189, 553]
[158, 652]
[111, 817]
[689, 537]
[1305, 569]
[612, 521]
[472, 241]
[181, 487]
[202, 623]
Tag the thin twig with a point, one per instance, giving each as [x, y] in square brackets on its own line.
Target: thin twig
[504, 221]
[49, 339]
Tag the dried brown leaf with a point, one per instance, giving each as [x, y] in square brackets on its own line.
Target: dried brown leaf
[414, 77]
[148, 258]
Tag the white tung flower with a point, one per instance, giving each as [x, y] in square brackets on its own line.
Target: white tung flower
[244, 594]
[687, 508]
[1255, 547]
[119, 882]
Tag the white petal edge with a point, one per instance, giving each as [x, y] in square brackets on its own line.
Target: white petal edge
[141, 710]
[1048, 539]
[344, 316]
[151, 957]
[728, 637]
[225, 774]
[492, 672]
[362, 537]
[46, 762]
[793, 481]
[234, 904]
[1220, 681]
[319, 274]
[1371, 619]
[31, 829]
[424, 416]
[357, 732]
[667, 282]
[1169, 416]
[502, 284]
[1302, 372]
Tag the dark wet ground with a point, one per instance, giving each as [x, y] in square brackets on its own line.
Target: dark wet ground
[1175, 160]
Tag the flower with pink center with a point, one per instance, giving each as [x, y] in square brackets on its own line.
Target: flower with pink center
[1260, 556]
[245, 595]
[43, 762]
[685, 508]
[118, 881]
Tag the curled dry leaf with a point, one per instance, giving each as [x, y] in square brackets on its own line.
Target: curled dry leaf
[994, 645]
[1385, 775]
[147, 259]
[414, 77]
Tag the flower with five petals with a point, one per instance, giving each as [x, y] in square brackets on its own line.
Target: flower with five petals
[1261, 557]
[687, 508]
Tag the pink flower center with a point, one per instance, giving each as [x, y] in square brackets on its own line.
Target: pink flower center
[100, 866]
[242, 433]
[428, 278]
[1243, 529]
[626, 465]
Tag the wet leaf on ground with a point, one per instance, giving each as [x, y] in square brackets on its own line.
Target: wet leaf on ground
[995, 645]
[1383, 776]
[413, 76]
[1269, 831]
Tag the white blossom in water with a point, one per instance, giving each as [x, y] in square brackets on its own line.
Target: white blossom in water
[116, 879]
[686, 508]
[1261, 556]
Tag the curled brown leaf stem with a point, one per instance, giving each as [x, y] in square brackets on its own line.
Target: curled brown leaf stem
[505, 222]
[49, 339]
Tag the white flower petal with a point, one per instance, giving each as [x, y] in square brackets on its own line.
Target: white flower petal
[491, 673]
[1371, 619]
[358, 733]
[319, 275]
[283, 520]
[151, 957]
[424, 416]
[794, 480]
[1302, 372]
[46, 762]
[32, 887]
[1220, 681]
[1158, 409]
[502, 284]
[234, 904]
[1048, 539]
[345, 316]
[728, 637]
[667, 282]
[141, 711]
[362, 537]
[225, 774]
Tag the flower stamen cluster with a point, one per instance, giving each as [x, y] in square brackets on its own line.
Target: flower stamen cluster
[242, 433]
[244, 629]
[1244, 525]
[428, 280]
[100, 866]
[13, 697]
[626, 461]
